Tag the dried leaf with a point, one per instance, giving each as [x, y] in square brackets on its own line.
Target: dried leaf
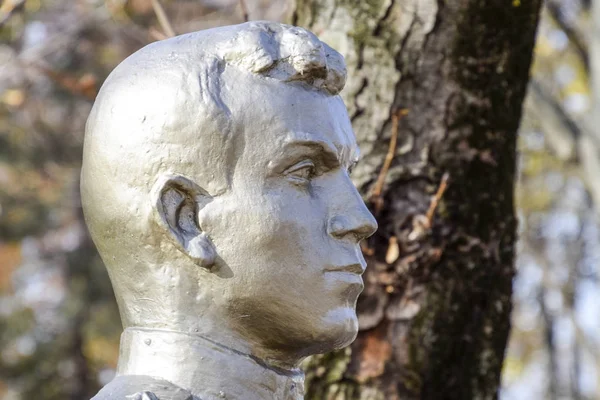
[393, 251]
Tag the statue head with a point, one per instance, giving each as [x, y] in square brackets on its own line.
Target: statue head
[215, 185]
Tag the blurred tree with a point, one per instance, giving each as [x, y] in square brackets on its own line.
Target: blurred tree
[435, 92]
[554, 349]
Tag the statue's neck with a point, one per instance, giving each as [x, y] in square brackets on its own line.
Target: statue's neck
[209, 370]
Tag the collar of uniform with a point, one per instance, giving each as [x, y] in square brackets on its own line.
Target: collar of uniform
[207, 369]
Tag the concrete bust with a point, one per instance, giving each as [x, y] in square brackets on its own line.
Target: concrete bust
[216, 186]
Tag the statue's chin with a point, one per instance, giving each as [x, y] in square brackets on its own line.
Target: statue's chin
[302, 335]
[343, 327]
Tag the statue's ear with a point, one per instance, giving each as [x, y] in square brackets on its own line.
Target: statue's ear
[176, 201]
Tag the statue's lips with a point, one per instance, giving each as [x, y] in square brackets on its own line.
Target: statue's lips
[349, 285]
[357, 268]
[349, 276]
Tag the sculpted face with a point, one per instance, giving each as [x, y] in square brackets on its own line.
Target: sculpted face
[216, 186]
[290, 226]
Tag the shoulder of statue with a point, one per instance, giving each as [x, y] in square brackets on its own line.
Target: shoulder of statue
[141, 387]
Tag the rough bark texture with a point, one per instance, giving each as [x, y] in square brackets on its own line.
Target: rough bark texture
[435, 313]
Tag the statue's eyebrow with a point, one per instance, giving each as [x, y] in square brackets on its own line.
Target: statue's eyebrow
[315, 146]
[341, 155]
[326, 148]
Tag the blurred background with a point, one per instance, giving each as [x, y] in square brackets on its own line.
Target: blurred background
[59, 326]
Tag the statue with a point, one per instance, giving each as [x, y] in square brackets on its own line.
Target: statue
[215, 185]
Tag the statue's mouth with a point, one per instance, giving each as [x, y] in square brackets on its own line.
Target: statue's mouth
[349, 282]
[354, 286]
[357, 268]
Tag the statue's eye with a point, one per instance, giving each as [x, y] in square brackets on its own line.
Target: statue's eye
[302, 172]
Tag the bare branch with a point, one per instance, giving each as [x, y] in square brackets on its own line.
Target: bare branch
[549, 337]
[376, 196]
[245, 13]
[163, 20]
[9, 8]
[560, 130]
[438, 196]
[156, 34]
[575, 35]
[590, 161]
[588, 143]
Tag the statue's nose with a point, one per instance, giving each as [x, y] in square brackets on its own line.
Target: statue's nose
[358, 226]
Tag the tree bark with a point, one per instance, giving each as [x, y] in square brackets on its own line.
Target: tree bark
[439, 86]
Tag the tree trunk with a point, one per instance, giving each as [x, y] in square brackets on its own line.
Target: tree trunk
[439, 86]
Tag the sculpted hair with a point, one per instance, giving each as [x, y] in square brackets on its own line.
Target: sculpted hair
[163, 110]
[286, 53]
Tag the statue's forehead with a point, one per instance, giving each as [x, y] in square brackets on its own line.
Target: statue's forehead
[331, 126]
[276, 113]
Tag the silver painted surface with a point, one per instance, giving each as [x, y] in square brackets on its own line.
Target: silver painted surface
[215, 184]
